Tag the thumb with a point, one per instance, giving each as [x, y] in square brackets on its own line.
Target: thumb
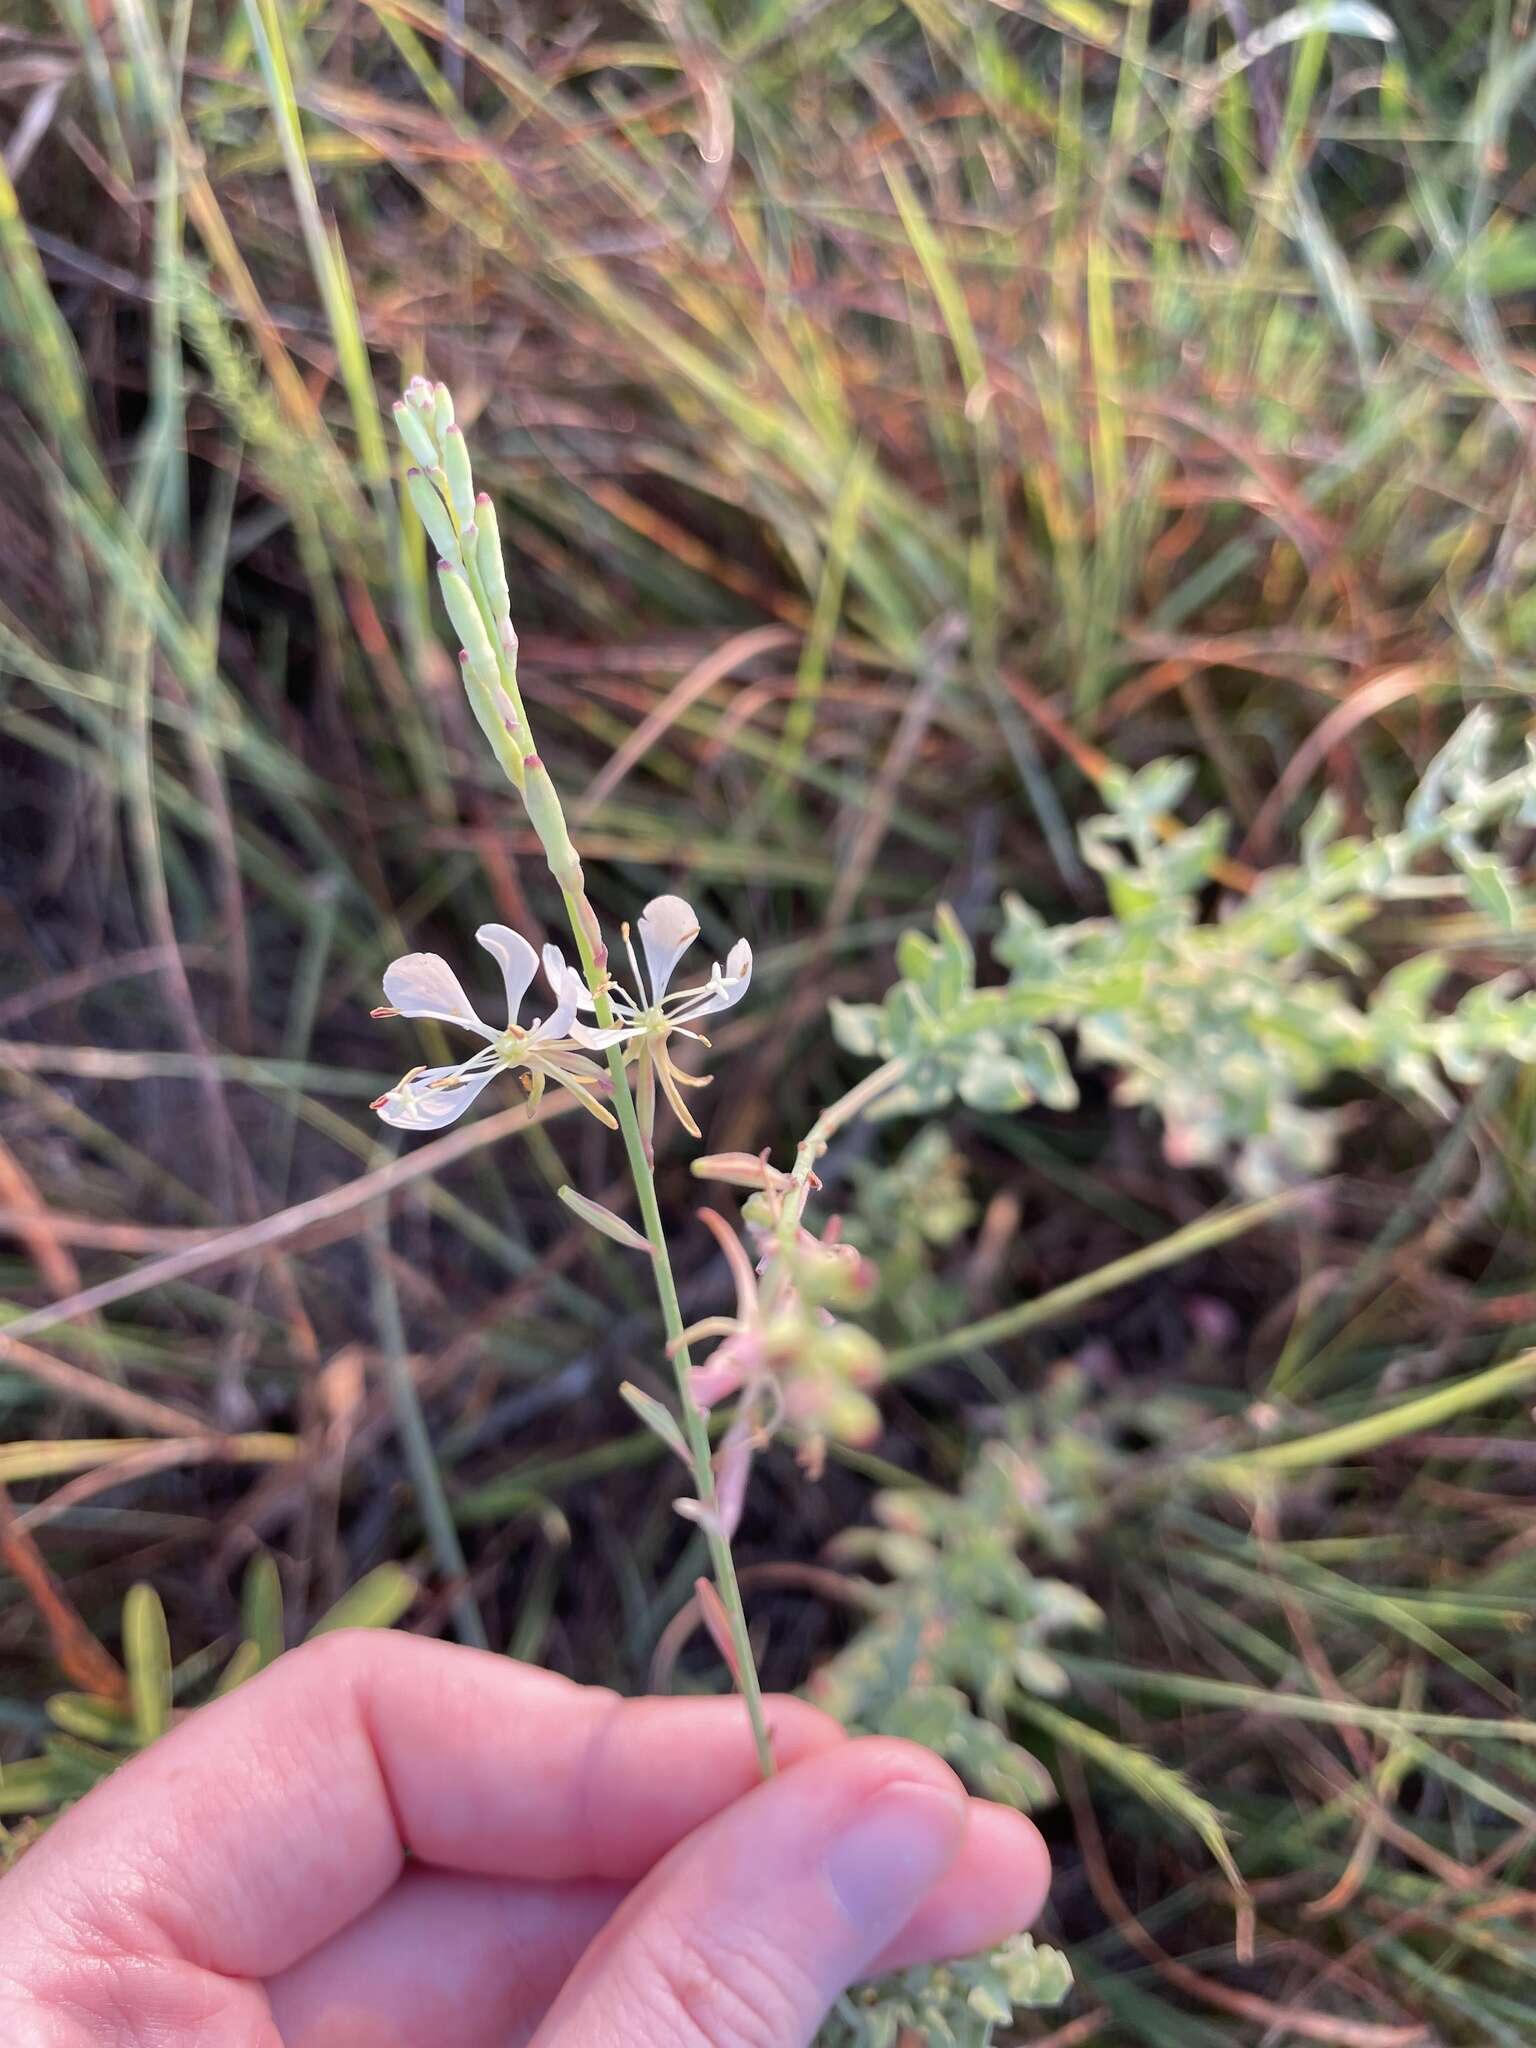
[749, 1930]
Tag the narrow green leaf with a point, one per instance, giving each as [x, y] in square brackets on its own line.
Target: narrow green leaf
[660, 1421]
[261, 1608]
[1155, 1782]
[147, 1658]
[244, 1664]
[91, 1719]
[377, 1601]
[605, 1221]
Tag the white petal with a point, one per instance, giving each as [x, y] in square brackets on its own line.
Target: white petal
[416, 1105]
[516, 959]
[560, 1019]
[423, 985]
[555, 971]
[599, 1041]
[668, 928]
[722, 989]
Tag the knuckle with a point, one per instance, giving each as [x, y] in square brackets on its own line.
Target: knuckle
[724, 1991]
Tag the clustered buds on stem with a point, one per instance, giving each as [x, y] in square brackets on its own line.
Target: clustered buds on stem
[790, 1359]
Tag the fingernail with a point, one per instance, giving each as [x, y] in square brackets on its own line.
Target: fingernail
[884, 1863]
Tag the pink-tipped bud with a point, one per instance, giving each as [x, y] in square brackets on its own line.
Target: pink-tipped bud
[740, 1170]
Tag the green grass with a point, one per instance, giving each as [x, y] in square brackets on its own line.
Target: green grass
[899, 413]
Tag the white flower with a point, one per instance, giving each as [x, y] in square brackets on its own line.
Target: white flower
[423, 985]
[653, 1011]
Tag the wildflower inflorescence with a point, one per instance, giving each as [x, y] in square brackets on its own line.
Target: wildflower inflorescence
[788, 1358]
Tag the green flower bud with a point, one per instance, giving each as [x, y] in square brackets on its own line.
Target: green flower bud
[490, 563]
[465, 614]
[414, 432]
[461, 483]
[547, 819]
[433, 514]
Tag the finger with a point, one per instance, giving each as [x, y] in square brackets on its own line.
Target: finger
[471, 1961]
[272, 1818]
[500, 1950]
[745, 1934]
[994, 1887]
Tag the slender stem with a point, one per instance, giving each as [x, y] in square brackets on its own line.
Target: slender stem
[695, 1427]
[514, 748]
[831, 1121]
[1219, 1227]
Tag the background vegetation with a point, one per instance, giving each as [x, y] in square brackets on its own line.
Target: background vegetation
[900, 414]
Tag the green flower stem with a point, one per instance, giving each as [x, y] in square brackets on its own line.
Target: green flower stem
[695, 1427]
[816, 1140]
[514, 749]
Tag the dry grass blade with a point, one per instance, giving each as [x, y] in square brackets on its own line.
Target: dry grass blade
[319, 1214]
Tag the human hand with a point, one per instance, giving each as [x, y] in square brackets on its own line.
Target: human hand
[583, 1872]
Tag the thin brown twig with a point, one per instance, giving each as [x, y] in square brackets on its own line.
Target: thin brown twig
[33, 1223]
[95, 1233]
[77, 1383]
[140, 1463]
[697, 683]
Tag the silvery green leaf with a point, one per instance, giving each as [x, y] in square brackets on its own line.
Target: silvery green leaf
[1410, 986]
[1221, 1023]
[1526, 815]
[1321, 829]
[928, 1087]
[1458, 771]
[988, 1999]
[1023, 945]
[856, 1027]
[1490, 884]
[954, 960]
[1040, 1056]
[1155, 791]
[991, 1079]
[1040, 1673]
[1185, 862]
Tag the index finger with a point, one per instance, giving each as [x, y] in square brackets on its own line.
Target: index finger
[271, 1819]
